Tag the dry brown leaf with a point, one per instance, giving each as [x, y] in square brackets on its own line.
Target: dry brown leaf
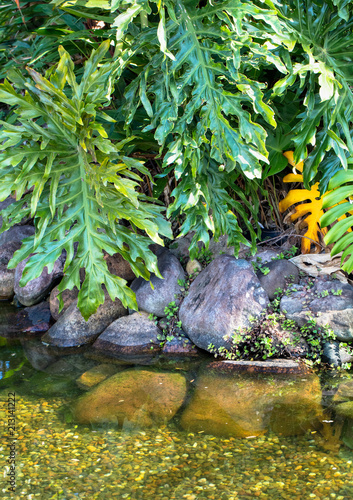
[320, 264]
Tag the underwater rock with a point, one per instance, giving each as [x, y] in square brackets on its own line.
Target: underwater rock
[344, 391]
[345, 409]
[223, 297]
[96, 375]
[38, 354]
[27, 320]
[133, 339]
[71, 365]
[329, 302]
[137, 397]
[165, 290]
[7, 276]
[276, 277]
[38, 288]
[273, 365]
[71, 330]
[241, 406]
[68, 296]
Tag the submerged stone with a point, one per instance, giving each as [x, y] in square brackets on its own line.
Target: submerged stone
[345, 409]
[137, 397]
[96, 375]
[250, 406]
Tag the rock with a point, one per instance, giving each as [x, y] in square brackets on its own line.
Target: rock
[180, 247]
[345, 409]
[276, 278]
[344, 391]
[264, 256]
[71, 330]
[193, 266]
[38, 288]
[96, 375]
[133, 339]
[248, 406]
[38, 354]
[345, 355]
[16, 321]
[277, 366]
[165, 290]
[118, 266]
[329, 302]
[331, 354]
[137, 397]
[71, 366]
[180, 347]
[223, 297]
[16, 234]
[7, 276]
[68, 296]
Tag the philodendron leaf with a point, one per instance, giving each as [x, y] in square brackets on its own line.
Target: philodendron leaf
[312, 209]
[79, 184]
[315, 206]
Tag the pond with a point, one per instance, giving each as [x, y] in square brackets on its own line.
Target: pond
[235, 436]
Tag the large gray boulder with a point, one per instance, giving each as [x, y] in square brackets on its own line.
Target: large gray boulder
[225, 296]
[38, 288]
[71, 330]
[328, 302]
[165, 290]
[133, 339]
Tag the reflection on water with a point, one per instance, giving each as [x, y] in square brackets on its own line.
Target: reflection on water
[280, 441]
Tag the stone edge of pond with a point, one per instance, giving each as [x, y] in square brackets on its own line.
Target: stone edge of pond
[279, 366]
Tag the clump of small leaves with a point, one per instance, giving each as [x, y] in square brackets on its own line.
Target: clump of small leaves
[204, 256]
[287, 254]
[258, 266]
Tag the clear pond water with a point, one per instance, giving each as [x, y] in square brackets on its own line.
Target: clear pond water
[297, 448]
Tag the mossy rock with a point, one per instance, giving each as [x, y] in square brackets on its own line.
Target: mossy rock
[345, 409]
[250, 406]
[140, 397]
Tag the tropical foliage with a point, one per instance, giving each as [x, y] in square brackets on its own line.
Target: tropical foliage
[214, 92]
